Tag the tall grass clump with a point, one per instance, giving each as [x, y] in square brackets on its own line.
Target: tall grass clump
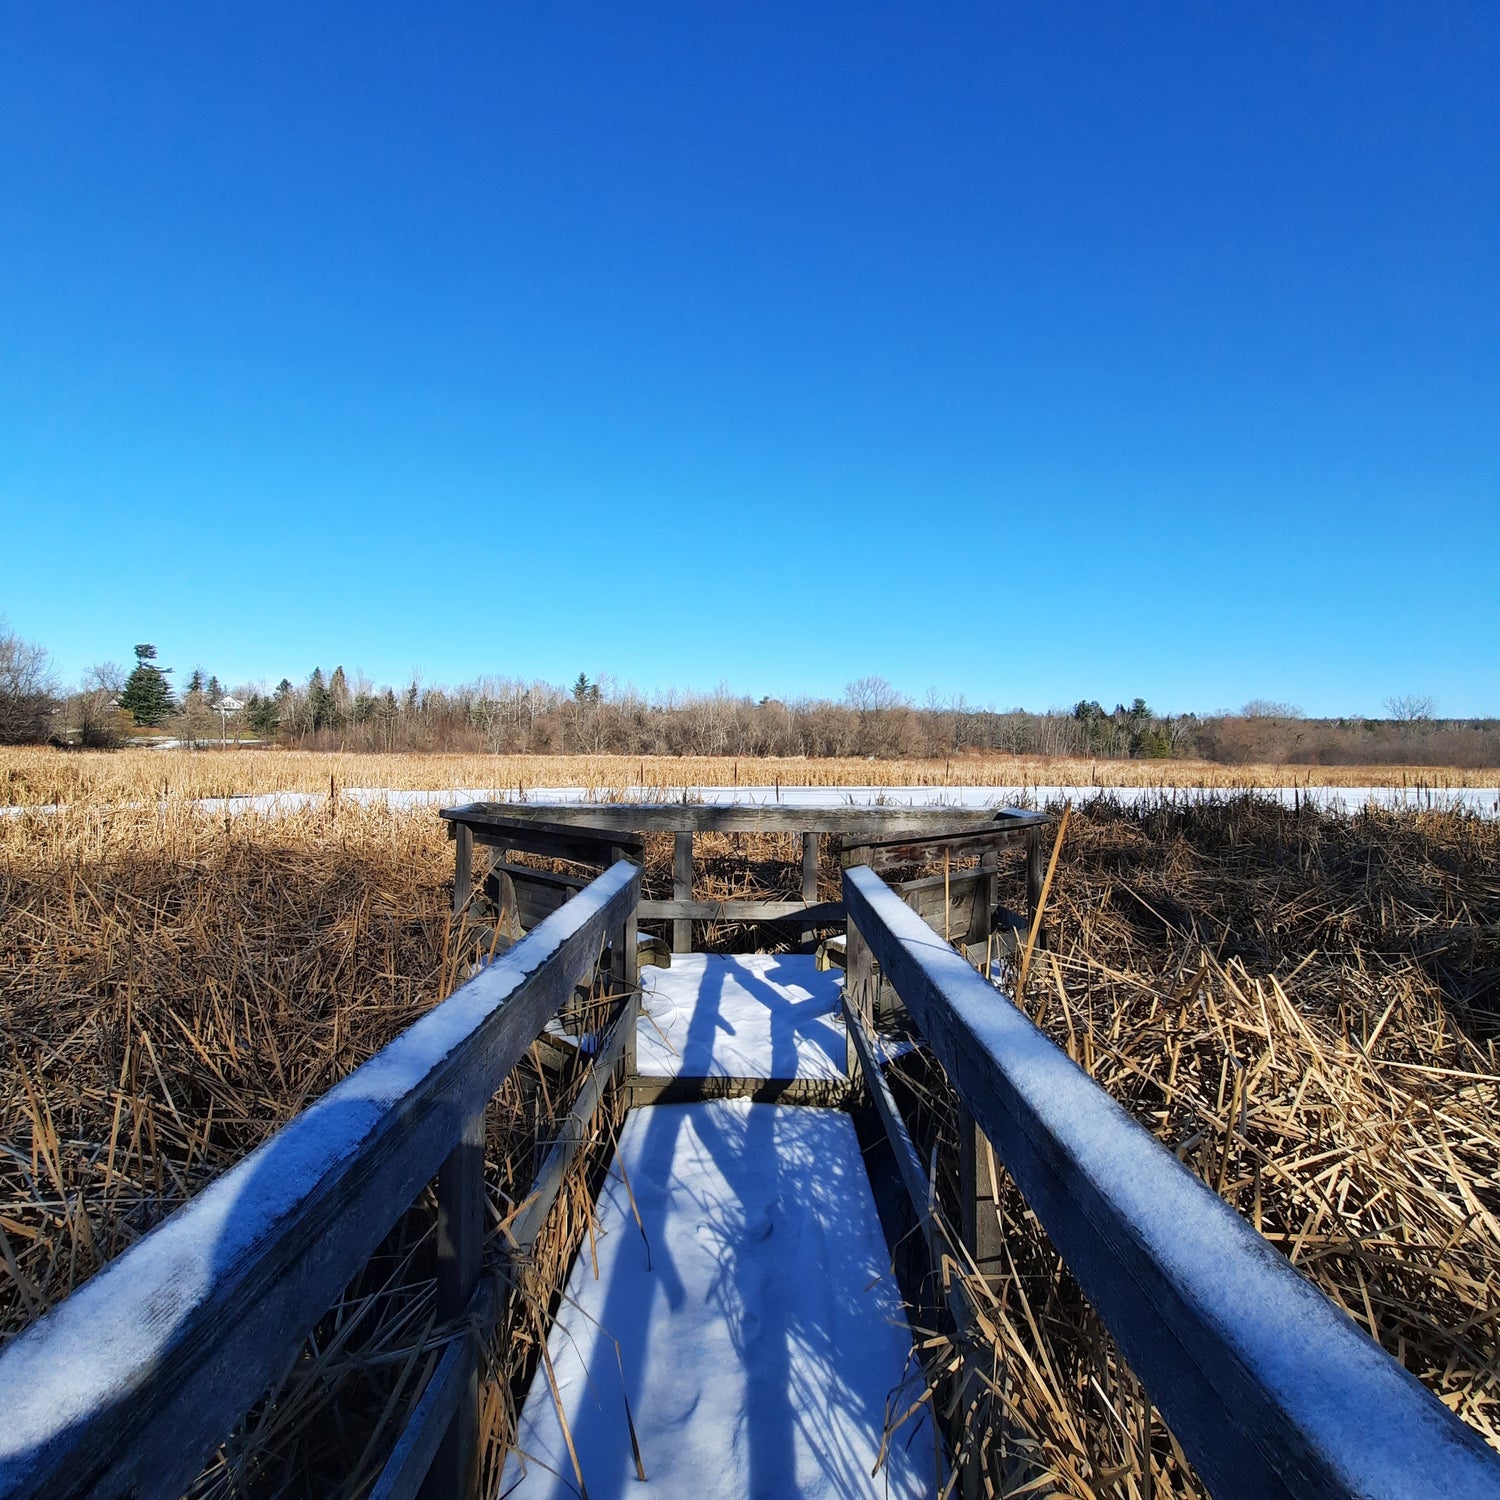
[1303, 1009]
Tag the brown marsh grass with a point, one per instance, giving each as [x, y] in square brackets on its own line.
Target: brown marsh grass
[1304, 1009]
[32, 777]
[1299, 1005]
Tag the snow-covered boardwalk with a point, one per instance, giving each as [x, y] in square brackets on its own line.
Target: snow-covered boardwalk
[748, 1327]
[741, 1015]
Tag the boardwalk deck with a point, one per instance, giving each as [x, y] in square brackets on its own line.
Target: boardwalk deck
[741, 1015]
[761, 1341]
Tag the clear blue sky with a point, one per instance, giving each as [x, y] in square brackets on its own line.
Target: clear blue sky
[764, 343]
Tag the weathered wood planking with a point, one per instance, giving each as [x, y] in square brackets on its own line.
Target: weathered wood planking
[885, 854]
[1270, 1388]
[581, 844]
[704, 817]
[824, 914]
[410, 1466]
[127, 1386]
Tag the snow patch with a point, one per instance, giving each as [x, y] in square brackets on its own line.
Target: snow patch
[741, 1015]
[761, 1340]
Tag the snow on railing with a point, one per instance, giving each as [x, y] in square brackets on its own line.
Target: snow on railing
[1270, 1388]
[128, 1385]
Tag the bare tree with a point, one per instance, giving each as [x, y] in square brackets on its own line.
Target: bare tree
[1410, 708]
[97, 719]
[1269, 708]
[28, 690]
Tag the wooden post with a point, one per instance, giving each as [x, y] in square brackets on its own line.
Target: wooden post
[627, 967]
[986, 894]
[858, 970]
[460, 1255]
[1036, 870]
[463, 867]
[809, 878]
[682, 890]
[981, 1225]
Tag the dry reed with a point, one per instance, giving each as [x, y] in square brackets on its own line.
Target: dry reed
[1304, 1010]
[1298, 1004]
[45, 776]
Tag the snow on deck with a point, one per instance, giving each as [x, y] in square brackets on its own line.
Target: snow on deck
[753, 1328]
[741, 1015]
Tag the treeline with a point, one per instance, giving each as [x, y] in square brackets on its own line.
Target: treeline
[510, 716]
[503, 715]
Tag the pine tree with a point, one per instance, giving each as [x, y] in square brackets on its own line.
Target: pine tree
[147, 695]
[339, 700]
[317, 700]
[213, 692]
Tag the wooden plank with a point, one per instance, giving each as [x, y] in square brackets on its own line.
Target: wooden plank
[701, 817]
[825, 914]
[953, 907]
[682, 892]
[888, 855]
[980, 1227]
[826, 1093]
[460, 1256]
[552, 879]
[581, 846]
[128, 1385]
[1271, 1390]
[627, 964]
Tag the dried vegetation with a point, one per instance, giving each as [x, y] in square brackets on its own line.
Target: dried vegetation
[1303, 1007]
[44, 777]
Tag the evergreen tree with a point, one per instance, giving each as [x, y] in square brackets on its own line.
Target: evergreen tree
[213, 692]
[195, 682]
[317, 700]
[147, 695]
[263, 715]
[339, 700]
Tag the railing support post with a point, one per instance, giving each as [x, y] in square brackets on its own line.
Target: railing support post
[859, 970]
[463, 867]
[980, 1222]
[809, 878]
[454, 1473]
[682, 890]
[1036, 872]
[626, 943]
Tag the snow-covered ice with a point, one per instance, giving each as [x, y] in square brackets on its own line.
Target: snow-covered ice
[751, 1325]
[1480, 801]
[741, 1015]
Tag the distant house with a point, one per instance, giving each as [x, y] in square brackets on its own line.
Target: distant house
[228, 705]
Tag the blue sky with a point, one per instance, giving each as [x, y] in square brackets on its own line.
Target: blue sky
[1033, 352]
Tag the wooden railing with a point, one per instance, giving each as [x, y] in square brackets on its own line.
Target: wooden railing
[127, 1387]
[883, 836]
[1269, 1387]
